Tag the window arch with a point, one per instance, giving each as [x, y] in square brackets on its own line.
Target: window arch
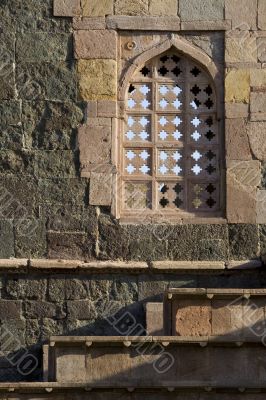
[170, 149]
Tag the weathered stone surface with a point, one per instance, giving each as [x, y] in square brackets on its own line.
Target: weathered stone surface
[261, 207]
[7, 81]
[66, 289]
[30, 238]
[192, 319]
[211, 43]
[243, 14]
[6, 239]
[106, 108]
[70, 246]
[46, 81]
[154, 319]
[11, 138]
[91, 138]
[241, 202]
[257, 139]
[95, 8]
[236, 110]
[28, 288]
[97, 79]
[201, 10]
[95, 44]
[10, 309]
[101, 189]
[243, 241]
[64, 191]
[227, 319]
[262, 14]
[81, 309]
[241, 49]
[56, 164]
[37, 47]
[143, 23]
[10, 112]
[261, 44]
[87, 23]
[258, 103]
[258, 77]
[127, 7]
[67, 8]
[40, 309]
[16, 162]
[237, 86]
[237, 144]
[51, 125]
[163, 7]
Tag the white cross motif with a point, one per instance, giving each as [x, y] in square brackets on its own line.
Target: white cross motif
[196, 155]
[163, 169]
[196, 136]
[130, 121]
[177, 135]
[196, 122]
[131, 155]
[163, 135]
[177, 121]
[164, 90]
[144, 169]
[176, 156]
[177, 104]
[143, 121]
[144, 90]
[131, 103]
[145, 103]
[163, 103]
[163, 155]
[196, 169]
[177, 170]
[194, 105]
[177, 90]
[144, 155]
[163, 121]
[130, 135]
[130, 169]
[144, 135]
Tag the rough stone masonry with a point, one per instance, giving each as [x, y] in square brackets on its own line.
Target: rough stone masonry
[51, 84]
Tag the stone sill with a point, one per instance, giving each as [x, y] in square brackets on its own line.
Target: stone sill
[46, 265]
[210, 293]
[165, 341]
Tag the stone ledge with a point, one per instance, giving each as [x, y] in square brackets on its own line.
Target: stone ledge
[15, 265]
[215, 25]
[143, 23]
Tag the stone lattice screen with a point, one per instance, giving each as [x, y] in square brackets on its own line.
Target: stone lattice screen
[170, 152]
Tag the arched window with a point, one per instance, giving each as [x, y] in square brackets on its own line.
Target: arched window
[170, 150]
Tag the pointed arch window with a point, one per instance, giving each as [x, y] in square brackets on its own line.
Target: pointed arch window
[170, 144]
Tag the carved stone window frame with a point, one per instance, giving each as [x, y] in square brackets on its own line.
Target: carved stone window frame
[183, 47]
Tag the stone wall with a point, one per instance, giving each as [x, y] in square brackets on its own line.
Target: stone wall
[45, 210]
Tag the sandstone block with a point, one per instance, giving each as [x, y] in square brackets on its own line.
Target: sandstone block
[67, 8]
[154, 319]
[258, 77]
[91, 138]
[85, 23]
[201, 10]
[129, 7]
[246, 173]
[192, 319]
[96, 8]
[101, 188]
[257, 139]
[261, 207]
[258, 103]
[262, 14]
[97, 79]
[91, 109]
[106, 108]
[237, 86]
[226, 318]
[261, 44]
[95, 44]
[241, 197]
[157, 23]
[236, 110]
[241, 48]
[237, 144]
[163, 7]
[243, 14]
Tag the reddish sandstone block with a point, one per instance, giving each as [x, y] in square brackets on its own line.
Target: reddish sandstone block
[95, 44]
[192, 318]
